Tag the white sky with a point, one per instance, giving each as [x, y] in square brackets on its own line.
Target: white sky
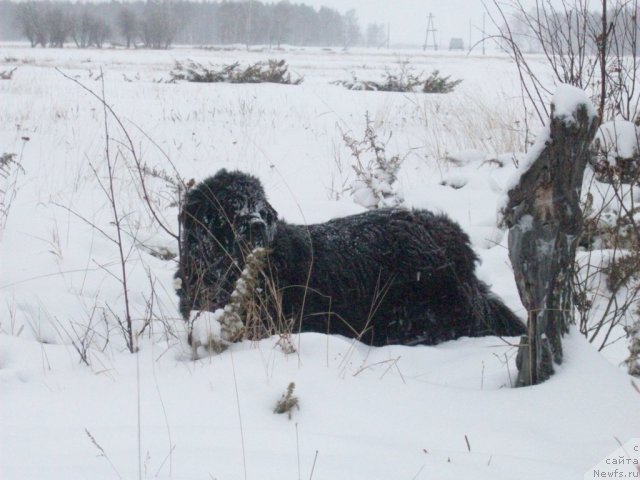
[408, 18]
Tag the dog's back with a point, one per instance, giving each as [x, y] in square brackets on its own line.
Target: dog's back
[391, 275]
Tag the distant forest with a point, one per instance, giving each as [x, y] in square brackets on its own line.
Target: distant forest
[160, 24]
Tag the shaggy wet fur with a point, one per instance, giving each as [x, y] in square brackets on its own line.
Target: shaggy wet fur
[384, 276]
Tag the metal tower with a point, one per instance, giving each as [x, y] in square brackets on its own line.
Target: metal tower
[430, 38]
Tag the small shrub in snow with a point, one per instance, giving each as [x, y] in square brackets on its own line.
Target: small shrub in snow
[391, 82]
[271, 71]
[10, 168]
[437, 84]
[285, 344]
[404, 80]
[7, 160]
[288, 402]
[7, 74]
[205, 330]
[376, 173]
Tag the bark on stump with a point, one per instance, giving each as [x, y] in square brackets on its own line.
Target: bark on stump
[545, 221]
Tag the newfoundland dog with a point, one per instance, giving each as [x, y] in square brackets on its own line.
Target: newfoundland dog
[387, 276]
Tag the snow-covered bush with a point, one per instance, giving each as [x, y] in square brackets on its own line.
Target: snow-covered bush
[376, 173]
[271, 71]
[608, 270]
[403, 80]
[615, 156]
[434, 83]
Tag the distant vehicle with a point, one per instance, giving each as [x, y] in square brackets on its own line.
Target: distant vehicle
[456, 44]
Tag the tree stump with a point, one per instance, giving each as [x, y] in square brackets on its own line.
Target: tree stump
[545, 222]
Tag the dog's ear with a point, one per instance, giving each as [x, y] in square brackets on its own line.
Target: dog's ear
[189, 214]
[202, 207]
[269, 214]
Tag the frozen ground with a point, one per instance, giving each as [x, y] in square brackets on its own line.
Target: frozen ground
[443, 412]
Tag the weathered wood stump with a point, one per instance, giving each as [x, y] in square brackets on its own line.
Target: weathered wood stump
[545, 221]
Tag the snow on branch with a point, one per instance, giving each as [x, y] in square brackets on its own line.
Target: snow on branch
[376, 173]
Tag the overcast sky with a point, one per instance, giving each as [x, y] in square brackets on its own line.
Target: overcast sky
[408, 18]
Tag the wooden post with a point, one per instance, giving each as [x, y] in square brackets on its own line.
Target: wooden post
[545, 221]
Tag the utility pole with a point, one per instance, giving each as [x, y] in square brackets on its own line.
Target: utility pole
[248, 25]
[431, 32]
[484, 35]
[388, 34]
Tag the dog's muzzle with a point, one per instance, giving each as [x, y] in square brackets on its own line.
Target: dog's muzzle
[258, 232]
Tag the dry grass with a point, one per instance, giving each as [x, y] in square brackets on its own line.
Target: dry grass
[287, 402]
[464, 122]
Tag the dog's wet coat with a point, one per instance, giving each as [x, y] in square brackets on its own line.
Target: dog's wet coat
[384, 276]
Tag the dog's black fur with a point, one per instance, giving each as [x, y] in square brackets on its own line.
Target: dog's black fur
[384, 276]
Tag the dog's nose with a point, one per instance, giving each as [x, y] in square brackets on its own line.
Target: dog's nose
[258, 232]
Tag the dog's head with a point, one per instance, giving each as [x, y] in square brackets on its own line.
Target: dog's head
[232, 208]
[223, 218]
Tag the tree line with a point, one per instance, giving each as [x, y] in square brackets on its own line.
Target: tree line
[569, 25]
[161, 23]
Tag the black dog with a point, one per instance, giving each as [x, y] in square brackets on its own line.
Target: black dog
[384, 276]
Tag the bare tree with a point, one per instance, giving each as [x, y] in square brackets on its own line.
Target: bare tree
[247, 14]
[595, 50]
[279, 22]
[82, 28]
[128, 24]
[351, 27]
[376, 35]
[59, 26]
[100, 32]
[331, 26]
[89, 30]
[9, 26]
[31, 18]
[159, 25]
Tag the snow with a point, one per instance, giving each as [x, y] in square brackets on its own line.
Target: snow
[617, 139]
[542, 140]
[624, 461]
[369, 413]
[207, 328]
[440, 412]
[568, 98]
[466, 157]
[363, 195]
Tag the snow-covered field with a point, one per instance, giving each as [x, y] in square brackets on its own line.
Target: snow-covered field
[444, 412]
